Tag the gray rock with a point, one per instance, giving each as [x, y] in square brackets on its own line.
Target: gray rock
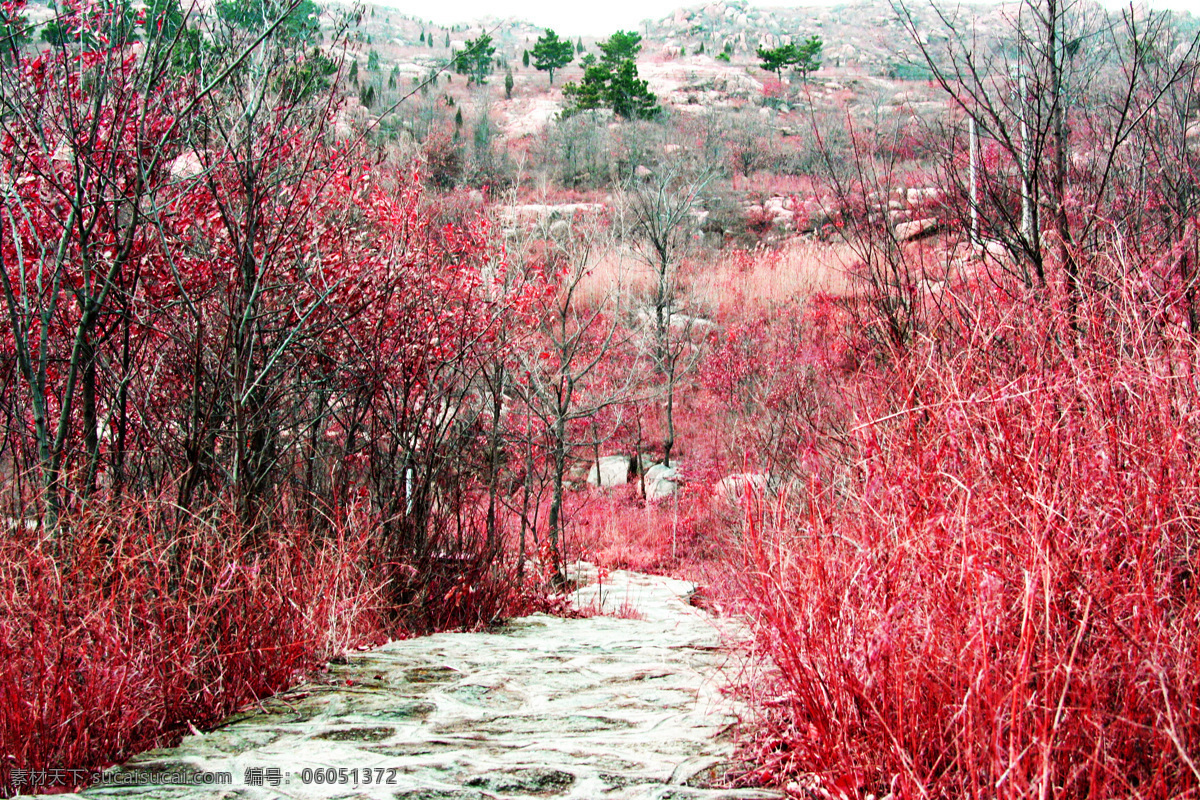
[609, 471]
[734, 488]
[917, 229]
[661, 481]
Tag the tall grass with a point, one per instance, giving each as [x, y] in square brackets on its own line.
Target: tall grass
[766, 280]
[136, 625]
[138, 629]
[997, 596]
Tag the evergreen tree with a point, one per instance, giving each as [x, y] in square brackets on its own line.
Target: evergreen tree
[613, 81]
[308, 76]
[621, 46]
[164, 18]
[579, 46]
[508, 85]
[629, 96]
[302, 24]
[776, 59]
[808, 56]
[475, 60]
[591, 92]
[551, 53]
[525, 58]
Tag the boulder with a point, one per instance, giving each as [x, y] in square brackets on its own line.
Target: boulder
[186, 165]
[609, 471]
[917, 229]
[661, 481]
[685, 323]
[734, 488]
[929, 194]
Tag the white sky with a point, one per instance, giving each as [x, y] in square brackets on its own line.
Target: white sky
[602, 17]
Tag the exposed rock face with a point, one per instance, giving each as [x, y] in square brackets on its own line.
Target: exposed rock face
[547, 707]
[527, 116]
[541, 211]
[609, 471]
[699, 81]
[542, 217]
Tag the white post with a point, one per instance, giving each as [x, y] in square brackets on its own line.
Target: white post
[1028, 234]
[408, 490]
[974, 134]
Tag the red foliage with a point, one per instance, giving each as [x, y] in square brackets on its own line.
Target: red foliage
[284, 339]
[773, 88]
[995, 597]
[142, 632]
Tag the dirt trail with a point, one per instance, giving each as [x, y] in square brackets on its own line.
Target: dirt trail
[602, 707]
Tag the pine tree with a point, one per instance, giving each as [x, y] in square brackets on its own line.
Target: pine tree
[808, 56]
[591, 92]
[776, 59]
[475, 60]
[630, 97]
[551, 53]
[508, 86]
[613, 81]
[525, 58]
[621, 46]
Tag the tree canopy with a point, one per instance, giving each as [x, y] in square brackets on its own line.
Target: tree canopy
[629, 96]
[613, 82]
[804, 57]
[476, 59]
[777, 59]
[808, 55]
[621, 46]
[551, 53]
[302, 22]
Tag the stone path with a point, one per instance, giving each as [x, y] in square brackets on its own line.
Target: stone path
[602, 707]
